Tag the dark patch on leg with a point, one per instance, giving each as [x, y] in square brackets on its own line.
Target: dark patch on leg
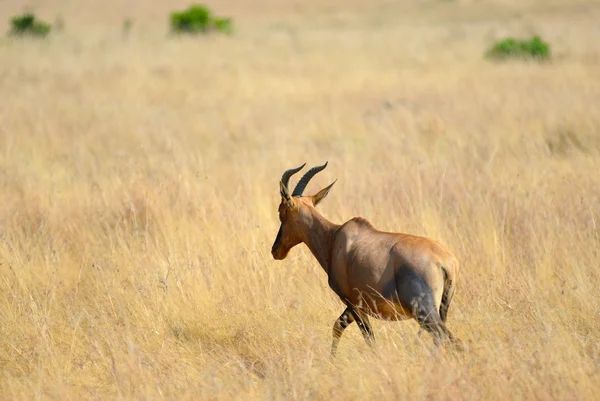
[429, 320]
[339, 326]
[417, 296]
[365, 327]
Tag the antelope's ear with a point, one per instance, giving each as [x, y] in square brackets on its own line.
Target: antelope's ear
[321, 194]
[285, 194]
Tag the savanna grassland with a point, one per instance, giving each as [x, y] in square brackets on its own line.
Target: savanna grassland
[139, 190]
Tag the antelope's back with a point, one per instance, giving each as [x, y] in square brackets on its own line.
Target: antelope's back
[367, 259]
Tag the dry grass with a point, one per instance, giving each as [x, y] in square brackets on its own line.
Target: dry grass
[138, 184]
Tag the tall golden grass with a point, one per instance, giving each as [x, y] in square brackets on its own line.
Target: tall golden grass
[139, 187]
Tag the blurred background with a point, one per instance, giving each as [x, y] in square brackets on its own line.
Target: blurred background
[141, 145]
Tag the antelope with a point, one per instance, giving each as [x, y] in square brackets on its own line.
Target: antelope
[384, 275]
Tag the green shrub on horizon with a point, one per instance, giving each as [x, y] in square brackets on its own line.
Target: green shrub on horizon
[27, 24]
[198, 18]
[511, 48]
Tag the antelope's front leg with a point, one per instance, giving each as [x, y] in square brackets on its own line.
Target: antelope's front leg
[339, 326]
[365, 326]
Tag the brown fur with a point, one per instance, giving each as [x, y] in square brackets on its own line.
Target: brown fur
[373, 272]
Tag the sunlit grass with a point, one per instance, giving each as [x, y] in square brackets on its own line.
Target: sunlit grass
[139, 187]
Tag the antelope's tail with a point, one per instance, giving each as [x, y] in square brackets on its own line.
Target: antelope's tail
[447, 295]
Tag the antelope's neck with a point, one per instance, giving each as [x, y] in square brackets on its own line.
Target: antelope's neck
[319, 236]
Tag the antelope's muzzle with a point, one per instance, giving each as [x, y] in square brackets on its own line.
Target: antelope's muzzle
[275, 249]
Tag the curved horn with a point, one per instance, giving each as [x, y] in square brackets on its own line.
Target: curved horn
[285, 178]
[306, 178]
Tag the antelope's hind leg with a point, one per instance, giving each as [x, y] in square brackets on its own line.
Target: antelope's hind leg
[339, 326]
[417, 296]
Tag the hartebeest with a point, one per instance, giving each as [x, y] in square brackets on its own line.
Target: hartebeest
[385, 275]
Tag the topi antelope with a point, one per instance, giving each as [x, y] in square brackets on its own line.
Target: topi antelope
[385, 275]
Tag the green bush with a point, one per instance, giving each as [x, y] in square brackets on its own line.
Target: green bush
[27, 24]
[535, 48]
[223, 25]
[199, 19]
